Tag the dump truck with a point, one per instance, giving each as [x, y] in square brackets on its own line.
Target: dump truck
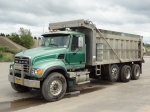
[72, 53]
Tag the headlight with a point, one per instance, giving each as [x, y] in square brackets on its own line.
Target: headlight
[37, 71]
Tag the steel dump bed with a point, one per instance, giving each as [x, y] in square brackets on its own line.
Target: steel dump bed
[104, 46]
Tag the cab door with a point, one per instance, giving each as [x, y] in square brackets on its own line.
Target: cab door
[76, 55]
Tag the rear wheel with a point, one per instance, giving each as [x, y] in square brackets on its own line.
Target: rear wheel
[20, 88]
[113, 73]
[135, 72]
[119, 78]
[125, 73]
[54, 87]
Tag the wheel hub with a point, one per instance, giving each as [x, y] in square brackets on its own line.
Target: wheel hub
[114, 72]
[128, 74]
[137, 72]
[56, 87]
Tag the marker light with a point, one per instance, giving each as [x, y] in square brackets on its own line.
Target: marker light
[68, 29]
[37, 72]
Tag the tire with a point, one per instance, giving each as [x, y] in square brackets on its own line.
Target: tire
[119, 78]
[135, 72]
[113, 73]
[54, 87]
[20, 88]
[125, 73]
[103, 77]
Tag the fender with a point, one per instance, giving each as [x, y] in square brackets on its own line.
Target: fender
[46, 73]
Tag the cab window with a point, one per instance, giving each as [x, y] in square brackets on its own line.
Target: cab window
[74, 44]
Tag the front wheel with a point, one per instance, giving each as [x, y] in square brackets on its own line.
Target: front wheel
[20, 88]
[54, 87]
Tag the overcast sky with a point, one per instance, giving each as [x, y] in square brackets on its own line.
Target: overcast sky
[130, 16]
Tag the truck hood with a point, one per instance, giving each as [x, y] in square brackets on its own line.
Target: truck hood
[42, 52]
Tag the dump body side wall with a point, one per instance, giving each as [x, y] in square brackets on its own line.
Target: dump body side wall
[128, 49]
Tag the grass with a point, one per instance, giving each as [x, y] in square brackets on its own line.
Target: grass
[5, 57]
[4, 54]
[8, 50]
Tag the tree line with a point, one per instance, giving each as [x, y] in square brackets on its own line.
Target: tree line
[23, 37]
[4, 35]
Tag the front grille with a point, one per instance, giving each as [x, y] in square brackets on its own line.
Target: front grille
[25, 61]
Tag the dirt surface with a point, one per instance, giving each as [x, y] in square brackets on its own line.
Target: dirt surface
[97, 96]
[147, 54]
[37, 43]
[4, 41]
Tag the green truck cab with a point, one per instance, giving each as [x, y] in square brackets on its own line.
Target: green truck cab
[71, 53]
[59, 52]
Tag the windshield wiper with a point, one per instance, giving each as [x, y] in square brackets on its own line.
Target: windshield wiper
[54, 44]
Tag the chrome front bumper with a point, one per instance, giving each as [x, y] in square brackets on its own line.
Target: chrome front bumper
[21, 80]
[24, 82]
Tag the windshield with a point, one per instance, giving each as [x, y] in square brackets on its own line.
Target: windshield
[56, 40]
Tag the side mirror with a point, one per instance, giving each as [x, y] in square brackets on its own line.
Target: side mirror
[80, 41]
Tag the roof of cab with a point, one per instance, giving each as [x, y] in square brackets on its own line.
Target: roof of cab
[62, 32]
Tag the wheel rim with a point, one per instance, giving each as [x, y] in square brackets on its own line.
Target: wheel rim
[137, 72]
[128, 73]
[56, 87]
[114, 72]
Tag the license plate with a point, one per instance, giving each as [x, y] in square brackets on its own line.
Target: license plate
[18, 67]
[18, 81]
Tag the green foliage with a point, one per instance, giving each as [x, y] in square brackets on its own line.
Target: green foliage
[4, 54]
[15, 38]
[5, 57]
[26, 38]
[4, 49]
[7, 35]
[8, 50]
[35, 37]
[1, 54]
[2, 34]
